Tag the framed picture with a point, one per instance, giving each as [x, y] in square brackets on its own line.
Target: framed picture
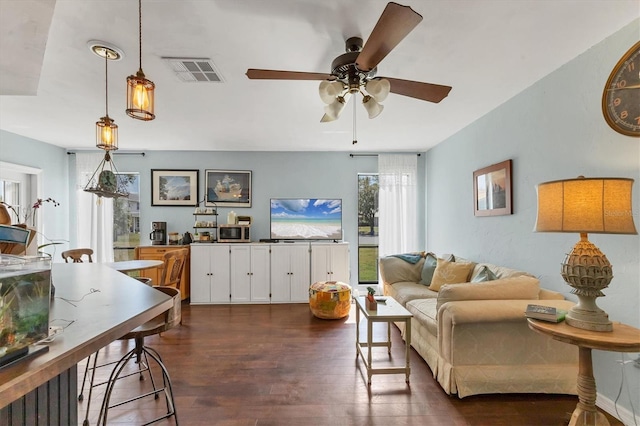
[492, 190]
[174, 187]
[228, 188]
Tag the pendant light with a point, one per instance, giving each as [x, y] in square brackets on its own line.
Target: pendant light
[140, 90]
[106, 128]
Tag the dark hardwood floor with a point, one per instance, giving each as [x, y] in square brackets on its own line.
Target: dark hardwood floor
[279, 365]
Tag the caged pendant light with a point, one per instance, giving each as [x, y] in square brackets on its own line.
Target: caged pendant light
[140, 90]
[106, 128]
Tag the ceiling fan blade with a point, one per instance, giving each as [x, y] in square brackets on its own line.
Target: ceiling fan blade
[257, 74]
[394, 24]
[416, 89]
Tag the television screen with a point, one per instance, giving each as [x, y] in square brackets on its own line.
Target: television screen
[306, 219]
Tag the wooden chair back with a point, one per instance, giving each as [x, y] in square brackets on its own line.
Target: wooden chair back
[76, 255]
[174, 262]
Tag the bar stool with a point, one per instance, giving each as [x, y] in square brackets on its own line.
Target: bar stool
[141, 355]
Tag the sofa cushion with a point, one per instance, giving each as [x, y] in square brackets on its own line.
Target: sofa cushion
[394, 270]
[424, 311]
[450, 273]
[514, 288]
[405, 292]
[485, 274]
[428, 268]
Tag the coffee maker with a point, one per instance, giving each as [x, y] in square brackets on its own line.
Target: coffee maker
[158, 234]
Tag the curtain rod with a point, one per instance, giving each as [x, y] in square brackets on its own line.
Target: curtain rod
[371, 155]
[113, 153]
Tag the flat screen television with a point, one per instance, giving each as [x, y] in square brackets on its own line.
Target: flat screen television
[306, 219]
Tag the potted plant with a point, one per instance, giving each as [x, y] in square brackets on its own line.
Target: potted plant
[370, 301]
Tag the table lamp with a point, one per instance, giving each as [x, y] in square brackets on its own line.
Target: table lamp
[586, 205]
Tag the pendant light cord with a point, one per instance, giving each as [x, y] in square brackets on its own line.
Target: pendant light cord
[140, 34]
[106, 84]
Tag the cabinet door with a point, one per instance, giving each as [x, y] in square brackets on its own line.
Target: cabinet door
[280, 274]
[240, 273]
[200, 274]
[339, 261]
[220, 273]
[330, 262]
[320, 263]
[260, 277]
[300, 273]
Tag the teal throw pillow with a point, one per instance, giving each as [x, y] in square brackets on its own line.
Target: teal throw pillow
[429, 266]
[484, 275]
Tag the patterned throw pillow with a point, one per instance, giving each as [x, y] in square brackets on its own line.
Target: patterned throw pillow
[450, 273]
[484, 275]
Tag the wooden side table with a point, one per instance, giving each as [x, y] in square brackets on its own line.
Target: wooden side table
[388, 311]
[623, 338]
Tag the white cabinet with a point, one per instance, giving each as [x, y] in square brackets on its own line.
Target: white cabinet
[290, 268]
[210, 273]
[330, 262]
[250, 273]
[264, 273]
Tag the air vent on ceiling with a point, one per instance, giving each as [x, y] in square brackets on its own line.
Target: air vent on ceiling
[194, 70]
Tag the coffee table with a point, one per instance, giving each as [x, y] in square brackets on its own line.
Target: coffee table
[389, 310]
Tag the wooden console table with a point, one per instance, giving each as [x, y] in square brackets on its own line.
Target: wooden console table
[623, 338]
[96, 305]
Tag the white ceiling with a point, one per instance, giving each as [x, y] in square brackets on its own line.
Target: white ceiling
[53, 88]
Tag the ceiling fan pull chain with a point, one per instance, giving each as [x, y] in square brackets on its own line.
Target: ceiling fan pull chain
[355, 140]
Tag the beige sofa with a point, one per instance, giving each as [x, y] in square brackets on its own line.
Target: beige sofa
[474, 336]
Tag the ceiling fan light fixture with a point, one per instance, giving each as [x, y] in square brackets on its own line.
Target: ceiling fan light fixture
[329, 90]
[372, 106]
[140, 90]
[334, 109]
[378, 88]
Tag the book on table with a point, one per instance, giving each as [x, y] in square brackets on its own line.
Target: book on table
[545, 313]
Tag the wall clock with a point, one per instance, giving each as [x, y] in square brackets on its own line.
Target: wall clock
[621, 95]
[107, 181]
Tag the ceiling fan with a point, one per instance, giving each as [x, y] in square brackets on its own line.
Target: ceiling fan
[356, 70]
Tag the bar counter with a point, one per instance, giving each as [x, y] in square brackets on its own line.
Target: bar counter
[96, 305]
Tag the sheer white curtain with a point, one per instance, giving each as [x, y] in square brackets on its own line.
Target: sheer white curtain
[95, 215]
[397, 203]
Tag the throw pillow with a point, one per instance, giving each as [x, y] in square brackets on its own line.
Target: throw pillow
[428, 268]
[484, 275]
[450, 273]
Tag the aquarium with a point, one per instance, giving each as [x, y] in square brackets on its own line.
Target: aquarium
[25, 287]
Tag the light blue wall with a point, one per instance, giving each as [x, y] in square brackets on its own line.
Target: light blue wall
[53, 161]
[553, 130]
[274, 174]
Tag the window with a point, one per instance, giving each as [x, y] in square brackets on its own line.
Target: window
[126, 218]
[10, 194]
[367, 228]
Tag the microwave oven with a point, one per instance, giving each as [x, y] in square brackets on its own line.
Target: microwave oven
[234, 233]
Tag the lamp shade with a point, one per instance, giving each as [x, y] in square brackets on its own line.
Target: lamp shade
[586, 205]
[140, 97]
[378, 88]
[372, 106]
[329, 90]
[106, 134]
[333, 110]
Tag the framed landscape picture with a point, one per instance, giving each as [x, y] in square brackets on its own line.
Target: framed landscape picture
[492, 190]
[174, 187]
[228, 188]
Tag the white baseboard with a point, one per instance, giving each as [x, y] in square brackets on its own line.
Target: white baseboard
[622, 414]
